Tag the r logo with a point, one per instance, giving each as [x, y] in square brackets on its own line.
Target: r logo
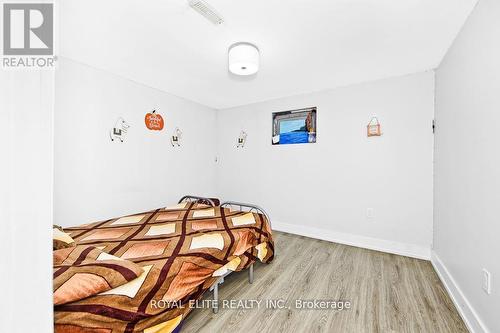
[28, 29]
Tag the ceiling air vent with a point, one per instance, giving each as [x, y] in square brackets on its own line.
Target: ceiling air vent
[206, 10]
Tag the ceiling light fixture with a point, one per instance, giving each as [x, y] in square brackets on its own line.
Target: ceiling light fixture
[243, 59]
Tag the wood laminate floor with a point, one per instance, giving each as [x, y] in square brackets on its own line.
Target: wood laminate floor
[389, 293]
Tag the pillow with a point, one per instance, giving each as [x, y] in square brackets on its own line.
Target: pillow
[61, 239]
[84, 271]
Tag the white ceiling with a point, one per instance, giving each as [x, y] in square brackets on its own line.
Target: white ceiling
[306, 45]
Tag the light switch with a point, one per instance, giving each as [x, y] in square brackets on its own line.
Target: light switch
[369, 213]
[486, 281]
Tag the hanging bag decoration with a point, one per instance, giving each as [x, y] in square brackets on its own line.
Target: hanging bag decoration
[373, 127]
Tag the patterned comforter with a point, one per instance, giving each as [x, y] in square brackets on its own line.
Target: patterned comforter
[182, 250]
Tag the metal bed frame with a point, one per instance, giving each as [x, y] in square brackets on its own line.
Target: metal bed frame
[194, 198]
[244, 207]
[250, 208]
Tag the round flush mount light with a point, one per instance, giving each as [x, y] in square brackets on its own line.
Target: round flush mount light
[243, 59]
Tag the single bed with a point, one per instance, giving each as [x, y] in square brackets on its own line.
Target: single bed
[184, 250]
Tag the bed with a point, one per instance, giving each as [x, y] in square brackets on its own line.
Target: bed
[183, 251]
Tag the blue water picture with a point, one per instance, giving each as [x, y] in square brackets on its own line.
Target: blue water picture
[296, 126]
[293, 131]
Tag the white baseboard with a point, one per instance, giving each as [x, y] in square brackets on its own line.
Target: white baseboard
[408, 250]
[467, 312]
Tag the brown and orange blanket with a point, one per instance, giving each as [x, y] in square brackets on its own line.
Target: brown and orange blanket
[179, 252]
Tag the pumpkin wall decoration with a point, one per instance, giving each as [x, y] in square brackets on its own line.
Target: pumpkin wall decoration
[154, 121]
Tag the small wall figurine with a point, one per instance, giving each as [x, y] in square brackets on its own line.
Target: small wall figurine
[154, 121]
[373, 127]
[176, 137]
[119, 130]
[242, 139]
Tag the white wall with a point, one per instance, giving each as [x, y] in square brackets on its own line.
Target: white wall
[97, 179]
[345, 172]
[26, 169]
[467, 164]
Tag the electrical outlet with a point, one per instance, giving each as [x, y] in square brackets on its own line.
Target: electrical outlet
[486, 281]
[369, 213]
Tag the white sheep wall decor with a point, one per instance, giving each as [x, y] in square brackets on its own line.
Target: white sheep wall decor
[176, 138]
[242, 139]
[119, 130]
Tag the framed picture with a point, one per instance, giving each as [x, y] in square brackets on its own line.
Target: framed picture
[293, 127]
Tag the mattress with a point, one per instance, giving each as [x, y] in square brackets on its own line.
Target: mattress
[183, 249]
